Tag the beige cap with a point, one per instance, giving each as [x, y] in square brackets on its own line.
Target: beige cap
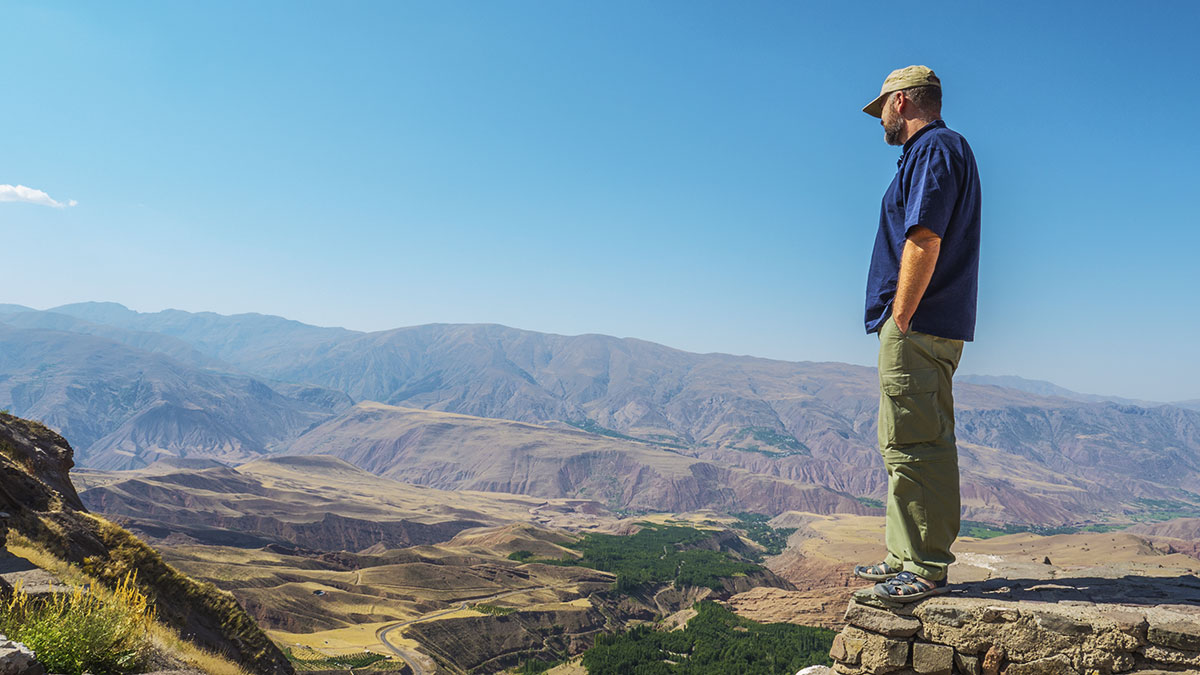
[904, 78]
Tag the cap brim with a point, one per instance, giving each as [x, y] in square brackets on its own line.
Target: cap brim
[875, 108]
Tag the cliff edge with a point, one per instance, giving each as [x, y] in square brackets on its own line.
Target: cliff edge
[1068, 625]
[40, 504]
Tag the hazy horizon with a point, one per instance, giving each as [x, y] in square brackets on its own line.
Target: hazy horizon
[961, 372]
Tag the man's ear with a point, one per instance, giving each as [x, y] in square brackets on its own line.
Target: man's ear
[901, 102]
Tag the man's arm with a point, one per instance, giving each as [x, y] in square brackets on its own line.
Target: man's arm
[916, 268]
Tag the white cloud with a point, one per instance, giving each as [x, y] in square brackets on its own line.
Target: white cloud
[20, 193]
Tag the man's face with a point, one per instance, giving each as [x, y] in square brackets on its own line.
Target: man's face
[893, 123]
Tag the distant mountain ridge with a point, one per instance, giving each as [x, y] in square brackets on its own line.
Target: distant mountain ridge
[270, 383]
[1044, 388]
[126, 407]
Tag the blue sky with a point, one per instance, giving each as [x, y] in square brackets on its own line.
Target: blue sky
[692, 173]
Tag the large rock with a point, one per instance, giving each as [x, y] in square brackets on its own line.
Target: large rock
[881, 621]
[17, 659]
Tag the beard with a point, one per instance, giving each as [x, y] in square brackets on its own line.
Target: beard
[892, 132]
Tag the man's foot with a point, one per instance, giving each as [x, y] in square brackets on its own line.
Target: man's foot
[880, 572]
[908, 587]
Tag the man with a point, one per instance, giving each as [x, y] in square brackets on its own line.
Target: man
[921, 292]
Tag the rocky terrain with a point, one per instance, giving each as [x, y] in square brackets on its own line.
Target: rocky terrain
[1023, 626]
[823, 550]
[43, 508]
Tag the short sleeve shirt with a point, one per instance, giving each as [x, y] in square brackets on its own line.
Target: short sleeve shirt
[937, 187]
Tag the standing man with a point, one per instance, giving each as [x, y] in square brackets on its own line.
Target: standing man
[921, 292]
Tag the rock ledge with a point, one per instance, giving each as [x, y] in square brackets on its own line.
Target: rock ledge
[1079, 626]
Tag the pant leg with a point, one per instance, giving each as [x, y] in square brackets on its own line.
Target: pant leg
[916, 438]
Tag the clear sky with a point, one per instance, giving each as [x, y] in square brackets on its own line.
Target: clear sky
[693, 173]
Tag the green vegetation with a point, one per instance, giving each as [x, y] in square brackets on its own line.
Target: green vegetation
[657, 554]
[715, 642]
[972, 528]
[311, 660]
[1143, 511]
[80, 631]
[873, 503]
[1157, 510]
[593, 427]
[756, 528]
[520, 556]
[498, 610]
[787, 444]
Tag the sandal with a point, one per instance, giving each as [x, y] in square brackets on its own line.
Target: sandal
[906, 587]
[880, 572]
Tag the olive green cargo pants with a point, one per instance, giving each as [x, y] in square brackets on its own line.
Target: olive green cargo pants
[916, 437]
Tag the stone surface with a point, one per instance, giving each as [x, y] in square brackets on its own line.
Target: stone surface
[999, 613]
[883, 654]
[881, 621]
[845, 669]
[968, 665]
[1175, 634]
[1174, 657]
[1054, 665]
[1014, 616]
[17, 659]
[992, 660]
[837, 651]
[1061, 623]
[848, 646]
[931, 659]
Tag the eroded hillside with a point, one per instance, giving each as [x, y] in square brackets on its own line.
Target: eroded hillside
[236, 387]
[44, 509]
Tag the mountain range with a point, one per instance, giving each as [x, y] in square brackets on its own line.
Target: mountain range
[632, 423]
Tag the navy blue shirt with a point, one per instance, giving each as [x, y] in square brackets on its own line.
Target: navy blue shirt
[937, 187]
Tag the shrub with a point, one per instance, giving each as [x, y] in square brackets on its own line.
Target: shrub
[80, 631]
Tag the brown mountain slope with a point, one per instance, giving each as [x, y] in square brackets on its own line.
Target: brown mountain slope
[1032, 458]
[452, 451]
[43, 507]
[127, 407]
[315, 502]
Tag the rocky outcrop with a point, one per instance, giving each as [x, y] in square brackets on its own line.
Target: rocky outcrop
[1069, 626]
[43, 507]
[17, 659]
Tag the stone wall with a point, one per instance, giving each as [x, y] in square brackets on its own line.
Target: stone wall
[1131, 624]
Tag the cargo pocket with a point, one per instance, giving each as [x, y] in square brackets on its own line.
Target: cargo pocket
[908, 407]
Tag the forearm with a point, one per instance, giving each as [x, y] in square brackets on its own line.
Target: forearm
[916, 269]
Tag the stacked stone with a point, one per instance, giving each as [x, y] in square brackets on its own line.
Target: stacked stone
[981, 636]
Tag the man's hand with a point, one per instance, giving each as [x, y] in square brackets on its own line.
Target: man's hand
[916, 268]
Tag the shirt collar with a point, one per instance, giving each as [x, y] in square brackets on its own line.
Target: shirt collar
[913, 139]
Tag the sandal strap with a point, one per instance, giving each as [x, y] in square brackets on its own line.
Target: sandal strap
[907, 583]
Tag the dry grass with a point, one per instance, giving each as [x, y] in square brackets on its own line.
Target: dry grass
[162, 638]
